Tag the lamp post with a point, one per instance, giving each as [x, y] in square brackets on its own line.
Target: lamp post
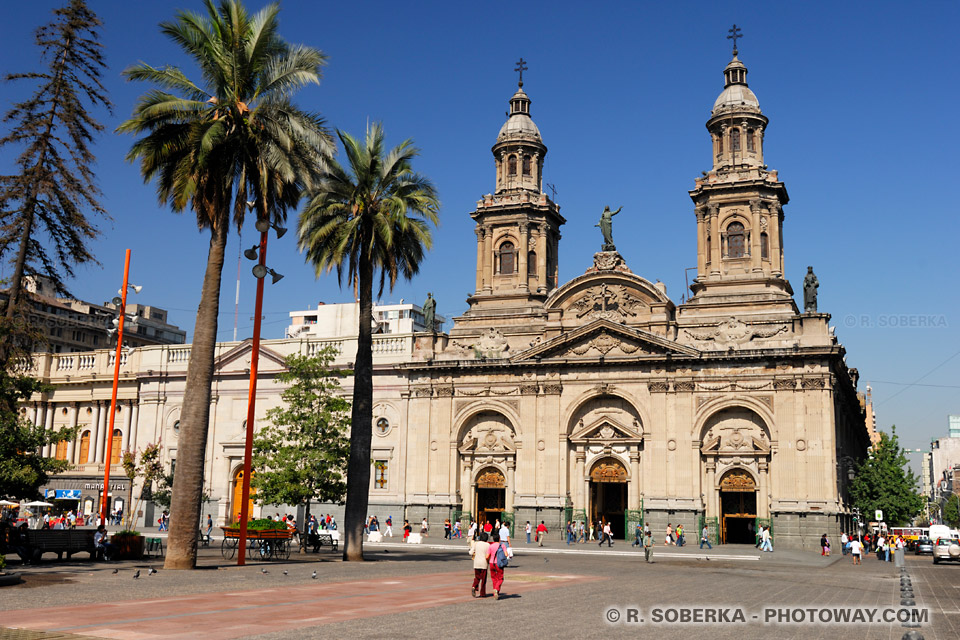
[259, 271]
[122, 302]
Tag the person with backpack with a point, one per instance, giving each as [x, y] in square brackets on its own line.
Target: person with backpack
[497, 557]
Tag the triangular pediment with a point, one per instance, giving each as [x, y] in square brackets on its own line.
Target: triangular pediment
[239, 358]
[608, 339]
[605, 429]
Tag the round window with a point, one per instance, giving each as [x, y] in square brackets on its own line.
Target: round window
[176, 427]
[383, 426]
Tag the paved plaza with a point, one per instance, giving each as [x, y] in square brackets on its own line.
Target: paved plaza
[424, 591]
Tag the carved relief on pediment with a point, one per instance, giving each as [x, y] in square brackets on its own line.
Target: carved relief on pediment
[603, 343]
[607, 302]
[732, 333]
[489, 433]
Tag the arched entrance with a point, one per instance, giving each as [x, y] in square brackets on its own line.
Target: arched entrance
[608, 494]
[238, 496]
[491, 499]
[738, 507]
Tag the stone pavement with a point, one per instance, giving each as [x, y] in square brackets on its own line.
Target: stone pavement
[411, 591]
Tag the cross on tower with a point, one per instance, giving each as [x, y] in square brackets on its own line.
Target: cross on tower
[734, 34]
[521, 67]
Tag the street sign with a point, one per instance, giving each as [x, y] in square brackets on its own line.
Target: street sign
[878, 515]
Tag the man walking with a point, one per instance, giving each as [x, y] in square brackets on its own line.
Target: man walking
[637, 534]
[478, 549]
[705, 538]
[527, 529]
[541, 531]
[389, 531]
[606, 535]
[569, 533]
[647, 543]
[855, 548]
[844, 540]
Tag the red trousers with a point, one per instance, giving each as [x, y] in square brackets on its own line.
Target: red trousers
[496, 575]
[480, 580]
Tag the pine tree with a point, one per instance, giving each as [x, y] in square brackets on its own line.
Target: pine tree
[43, 225]
[883, 481]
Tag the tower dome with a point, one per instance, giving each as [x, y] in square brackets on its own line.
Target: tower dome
[519, 150]
[736, 95]
[519, 124]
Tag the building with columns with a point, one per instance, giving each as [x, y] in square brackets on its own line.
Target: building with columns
[598, 398]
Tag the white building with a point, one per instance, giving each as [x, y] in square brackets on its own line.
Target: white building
[333, 320]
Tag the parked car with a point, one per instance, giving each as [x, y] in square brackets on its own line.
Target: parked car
[923, 545]
[946, 549]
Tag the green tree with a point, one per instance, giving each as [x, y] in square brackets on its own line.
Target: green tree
[301, 455]
[42, 206]
[371, 216]
[23, 470]
[883, 481]
[951, 511]
[212, 146]
[147, 469]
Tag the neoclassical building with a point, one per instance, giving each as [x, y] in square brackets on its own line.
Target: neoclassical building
[595, 398]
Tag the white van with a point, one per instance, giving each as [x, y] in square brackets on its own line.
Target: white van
[938, 531]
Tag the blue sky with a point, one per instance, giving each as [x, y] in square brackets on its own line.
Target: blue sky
[861, 98]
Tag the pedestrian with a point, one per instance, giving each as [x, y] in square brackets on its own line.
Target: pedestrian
[591, 539]
[824, 545]
[527, 529]
[447, 529]
[472, 530]
[669, 539]
[457, 530]
[496, 556]
[478, 551]
[647, 543]
[209, 527]
[504, 532]
[880, 545]
[607, 535]
[637, 535]
[844, 543]
[406, 530]
[705, 538]
[569, 532]
[766, 540]
[389, 531]
[423, 527]
[855, 548]
[680, 540]
[541, 532]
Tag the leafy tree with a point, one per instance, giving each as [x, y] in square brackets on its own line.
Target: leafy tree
[148, 469]
[302, 454]
[371, 216]
[212, 146]
[42, 206]
[23, 470]
[883, 481]
[951, 511]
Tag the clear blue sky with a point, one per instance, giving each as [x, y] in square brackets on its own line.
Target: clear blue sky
[861, 98]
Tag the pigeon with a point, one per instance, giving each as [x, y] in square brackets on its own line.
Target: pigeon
[151, 572]
[264, 571]
[314, 576]
[136, 575]
[285, 572]
[115, 571]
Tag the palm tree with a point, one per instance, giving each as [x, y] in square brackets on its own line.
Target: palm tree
[212, 146]
[371, 218]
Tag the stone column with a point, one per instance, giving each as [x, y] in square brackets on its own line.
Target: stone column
[776, 254]
[480, 262]
[714, 211]
[522, 258]
[466, 488]
[701, 213]
[763, 501]
[511, 484]
[135, 410]
[94, 434]
[74, 418]
[102, 434]
[710, 492]
[542, 259]
[49, 449]
[488, 260]
[580, 500]
[755, 235]
[125, 437]
[633, 494]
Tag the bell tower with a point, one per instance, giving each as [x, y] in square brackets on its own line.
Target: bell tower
[518, 226]
[739, 212]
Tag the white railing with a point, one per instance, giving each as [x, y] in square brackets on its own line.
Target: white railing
[26, 364]
[178, 356]
[313, 348]
[113, 358]
[389, 345]
[65, 363]
[86, 362]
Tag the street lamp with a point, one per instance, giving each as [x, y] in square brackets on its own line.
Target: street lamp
[118, 322]
[260, 271]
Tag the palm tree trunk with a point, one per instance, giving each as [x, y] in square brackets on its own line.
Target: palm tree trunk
[195, 415]
[361, 431]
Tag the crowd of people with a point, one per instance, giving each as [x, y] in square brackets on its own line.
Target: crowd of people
[884, 546]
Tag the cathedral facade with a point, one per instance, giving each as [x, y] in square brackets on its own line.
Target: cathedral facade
[593, 399]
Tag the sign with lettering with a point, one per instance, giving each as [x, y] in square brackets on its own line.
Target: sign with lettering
[120, 486]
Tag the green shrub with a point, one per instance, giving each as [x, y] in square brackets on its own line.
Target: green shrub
[126, 533]
[265, 524]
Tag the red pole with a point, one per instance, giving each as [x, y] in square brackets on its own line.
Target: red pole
[113, 396]
[251, 408]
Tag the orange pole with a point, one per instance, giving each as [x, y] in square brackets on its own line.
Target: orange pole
[251, 410]
[113, 395]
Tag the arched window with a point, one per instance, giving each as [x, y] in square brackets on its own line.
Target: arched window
[736, 240]
[84, 448]
[512, 165]
[62, 450]
[720, 143]
[750, 146]
[115, 447]
[764, 246]
[507, 259]
[735, 139]
[532, 263]
[526, 165]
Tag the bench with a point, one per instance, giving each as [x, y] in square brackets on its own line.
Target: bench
[59, 541]
[153, 547]
[323, 537]
[204, 539]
